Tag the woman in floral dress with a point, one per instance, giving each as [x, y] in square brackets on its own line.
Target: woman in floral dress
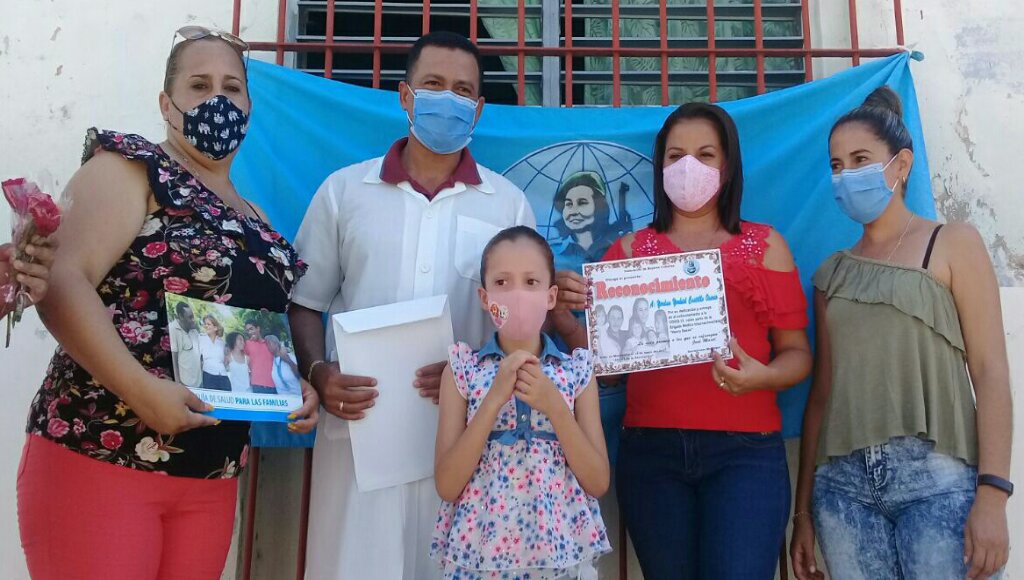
[122, 473]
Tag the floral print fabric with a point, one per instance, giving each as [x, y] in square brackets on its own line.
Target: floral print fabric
[523, 514]
[193, 245]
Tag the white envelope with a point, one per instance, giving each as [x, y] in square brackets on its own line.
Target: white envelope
[394, 443]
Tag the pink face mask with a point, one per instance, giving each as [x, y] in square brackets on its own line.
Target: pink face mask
[690, 184]
[518, 314]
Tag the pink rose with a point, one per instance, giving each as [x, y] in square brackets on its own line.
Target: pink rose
[44, 212]
[111, 439]
[79, 427]
[161, 272]
[176, 285]
[177, 258]
[165, 342]
[57, 427]
[212, 255]
[28, 202]
[155, 249]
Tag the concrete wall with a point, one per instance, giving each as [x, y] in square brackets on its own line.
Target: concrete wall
[67, 65]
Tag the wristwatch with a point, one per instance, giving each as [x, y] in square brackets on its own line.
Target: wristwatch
[996, 482]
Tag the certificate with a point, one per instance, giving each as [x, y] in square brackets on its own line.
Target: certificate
[657, 312]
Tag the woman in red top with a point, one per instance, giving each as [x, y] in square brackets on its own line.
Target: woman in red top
[702, 475]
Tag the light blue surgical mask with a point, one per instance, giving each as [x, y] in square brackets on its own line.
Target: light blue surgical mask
[442, 121]
[863, 193]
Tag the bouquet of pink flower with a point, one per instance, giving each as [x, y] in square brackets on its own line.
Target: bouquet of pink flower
[35, 214]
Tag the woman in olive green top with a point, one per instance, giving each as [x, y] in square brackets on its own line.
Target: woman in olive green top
[900, 475]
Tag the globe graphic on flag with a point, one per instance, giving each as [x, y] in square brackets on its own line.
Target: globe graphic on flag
[585, 195]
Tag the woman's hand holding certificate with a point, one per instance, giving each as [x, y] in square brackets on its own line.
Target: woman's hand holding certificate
[749, 374]
[573, 291]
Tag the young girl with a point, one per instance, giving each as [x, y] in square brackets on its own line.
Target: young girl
[520, 454]
[237, 364]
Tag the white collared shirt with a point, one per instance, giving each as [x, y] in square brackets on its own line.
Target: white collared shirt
[369, 243]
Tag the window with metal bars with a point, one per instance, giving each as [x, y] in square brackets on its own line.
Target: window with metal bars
[551, 53]
[546, 25]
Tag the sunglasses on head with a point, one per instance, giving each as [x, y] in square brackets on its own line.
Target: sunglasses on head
[194, 32]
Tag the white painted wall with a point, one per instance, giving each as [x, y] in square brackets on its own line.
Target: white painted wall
[66, 65]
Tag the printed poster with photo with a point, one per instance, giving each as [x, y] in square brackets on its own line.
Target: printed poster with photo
[240, 361]
[657, 312]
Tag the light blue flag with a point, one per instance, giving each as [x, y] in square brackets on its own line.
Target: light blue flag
[304, 128]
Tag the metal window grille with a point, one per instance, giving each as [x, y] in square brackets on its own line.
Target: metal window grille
[590, 52]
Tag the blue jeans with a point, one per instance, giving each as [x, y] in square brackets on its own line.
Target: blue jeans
[895, 510]
[704, 504]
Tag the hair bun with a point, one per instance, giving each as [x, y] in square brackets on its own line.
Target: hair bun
[885, 98]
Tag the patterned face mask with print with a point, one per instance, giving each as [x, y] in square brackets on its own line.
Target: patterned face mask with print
[215, 127]
[518, 314]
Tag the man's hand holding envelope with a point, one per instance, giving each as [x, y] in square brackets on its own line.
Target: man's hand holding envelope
[344, 396]
[350, 396]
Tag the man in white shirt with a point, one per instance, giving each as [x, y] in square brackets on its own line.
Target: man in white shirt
[184, 335]
[409, 225]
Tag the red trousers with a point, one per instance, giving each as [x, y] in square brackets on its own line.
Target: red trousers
[84, 519]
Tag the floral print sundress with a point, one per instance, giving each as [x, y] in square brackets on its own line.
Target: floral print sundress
[523, 515]
[193, 245]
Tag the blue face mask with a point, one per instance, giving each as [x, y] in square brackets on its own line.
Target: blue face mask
[443, 121]
[862, 193]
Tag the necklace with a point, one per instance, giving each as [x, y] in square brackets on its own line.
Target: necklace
[859, 249]
[899, 242]
[178, 154]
